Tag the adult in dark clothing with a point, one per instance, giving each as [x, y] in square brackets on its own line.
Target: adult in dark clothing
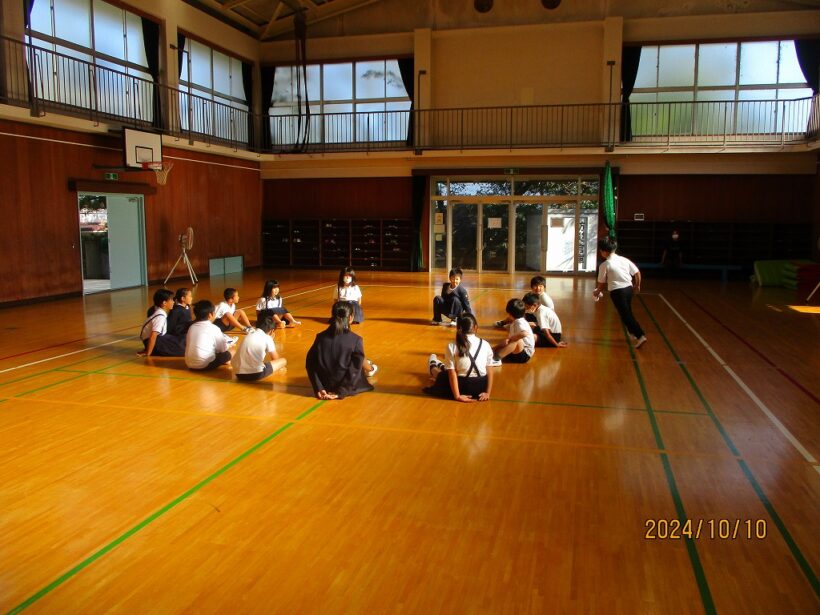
[453, 300]
[179, 319]
[336, 363]
[672, 257]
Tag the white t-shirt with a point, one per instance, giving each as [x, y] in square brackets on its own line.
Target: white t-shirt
[203, 341]
[518, 325]
[617, 272]
[269, 303]
[348, 293]
[250, 358]
[462, 363]
[158, 321]
[224, 308]
[547, 319]
[546, 300]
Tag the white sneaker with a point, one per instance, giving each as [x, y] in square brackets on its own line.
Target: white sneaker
[640, 341]
[494, 362]
[436, 323]
[452, 323]
[373, 371]
[248, 329]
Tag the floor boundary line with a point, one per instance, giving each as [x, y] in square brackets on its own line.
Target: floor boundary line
[757, 401]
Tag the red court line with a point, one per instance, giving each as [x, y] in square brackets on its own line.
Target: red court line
[782, 372]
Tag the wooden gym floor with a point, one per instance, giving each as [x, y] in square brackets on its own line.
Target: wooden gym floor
[134, 485]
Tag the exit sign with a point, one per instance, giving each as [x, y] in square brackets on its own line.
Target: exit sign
[112, 177]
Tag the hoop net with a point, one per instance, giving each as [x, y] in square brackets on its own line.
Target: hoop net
[161, 168]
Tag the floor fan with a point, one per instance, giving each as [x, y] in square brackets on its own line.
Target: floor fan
[186, 242]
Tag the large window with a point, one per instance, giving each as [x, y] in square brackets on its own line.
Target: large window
[738, 87]
[217, 104]
[91, 55]
[358, 101]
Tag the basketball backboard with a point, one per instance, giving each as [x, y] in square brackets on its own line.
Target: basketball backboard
[140, 146]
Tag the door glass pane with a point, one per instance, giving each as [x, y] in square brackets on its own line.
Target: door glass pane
[560, 236]
[528, 248]
[494, 247]
[588, 236]
[465, 227]
[439, 234]
[479, 188]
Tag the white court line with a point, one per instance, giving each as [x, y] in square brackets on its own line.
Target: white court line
[60, 356]
[758, 402]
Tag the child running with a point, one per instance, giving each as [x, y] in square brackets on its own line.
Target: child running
[348, 290]
[270, 304]
[463, 376]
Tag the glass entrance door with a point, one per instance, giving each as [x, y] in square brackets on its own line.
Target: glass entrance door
[495, 228]
[561, 236]
[464, 225]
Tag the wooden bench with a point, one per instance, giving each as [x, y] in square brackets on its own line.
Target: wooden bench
[724, 269]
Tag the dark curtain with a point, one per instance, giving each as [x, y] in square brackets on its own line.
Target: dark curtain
[27, 6]
[808, 56]
[630, 58]
[407, 70]
[268, 75]
[419, 194]
[180, 54]
[150, 38]
[247, 83]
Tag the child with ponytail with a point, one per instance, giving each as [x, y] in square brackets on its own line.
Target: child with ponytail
[464, 374]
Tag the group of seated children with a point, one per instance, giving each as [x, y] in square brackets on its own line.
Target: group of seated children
[170, 331]
[463, 375]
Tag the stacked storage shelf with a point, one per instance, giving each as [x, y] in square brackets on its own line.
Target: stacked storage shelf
[365, 244]
[335, 243]
[397, 244]
[276, 243]
[304, 240]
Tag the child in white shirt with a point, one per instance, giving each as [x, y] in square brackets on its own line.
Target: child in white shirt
[544, 322]
[520, 345]
[347, 290]
[206, 346]
[463, 375]
[270, 303]
[156, 339]
[257, 358]
[227, 316]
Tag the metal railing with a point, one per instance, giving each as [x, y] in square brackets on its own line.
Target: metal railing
[44, 80]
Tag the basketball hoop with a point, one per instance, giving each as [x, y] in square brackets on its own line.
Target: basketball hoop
[161, 168]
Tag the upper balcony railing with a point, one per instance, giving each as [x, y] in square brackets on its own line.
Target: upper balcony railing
[46, 81]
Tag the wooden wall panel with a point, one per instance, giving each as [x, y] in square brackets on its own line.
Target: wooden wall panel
[718, 198]
[362, 197]
[40, 228]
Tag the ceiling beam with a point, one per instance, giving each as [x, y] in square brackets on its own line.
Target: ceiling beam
[315, 15]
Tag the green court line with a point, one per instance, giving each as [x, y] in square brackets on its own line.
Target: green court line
[691, 549]
[784, 532]
[54, 384]
[48, 371]
[153, 517]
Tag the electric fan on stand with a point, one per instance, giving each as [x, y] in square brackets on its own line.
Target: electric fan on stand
[186, 242]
